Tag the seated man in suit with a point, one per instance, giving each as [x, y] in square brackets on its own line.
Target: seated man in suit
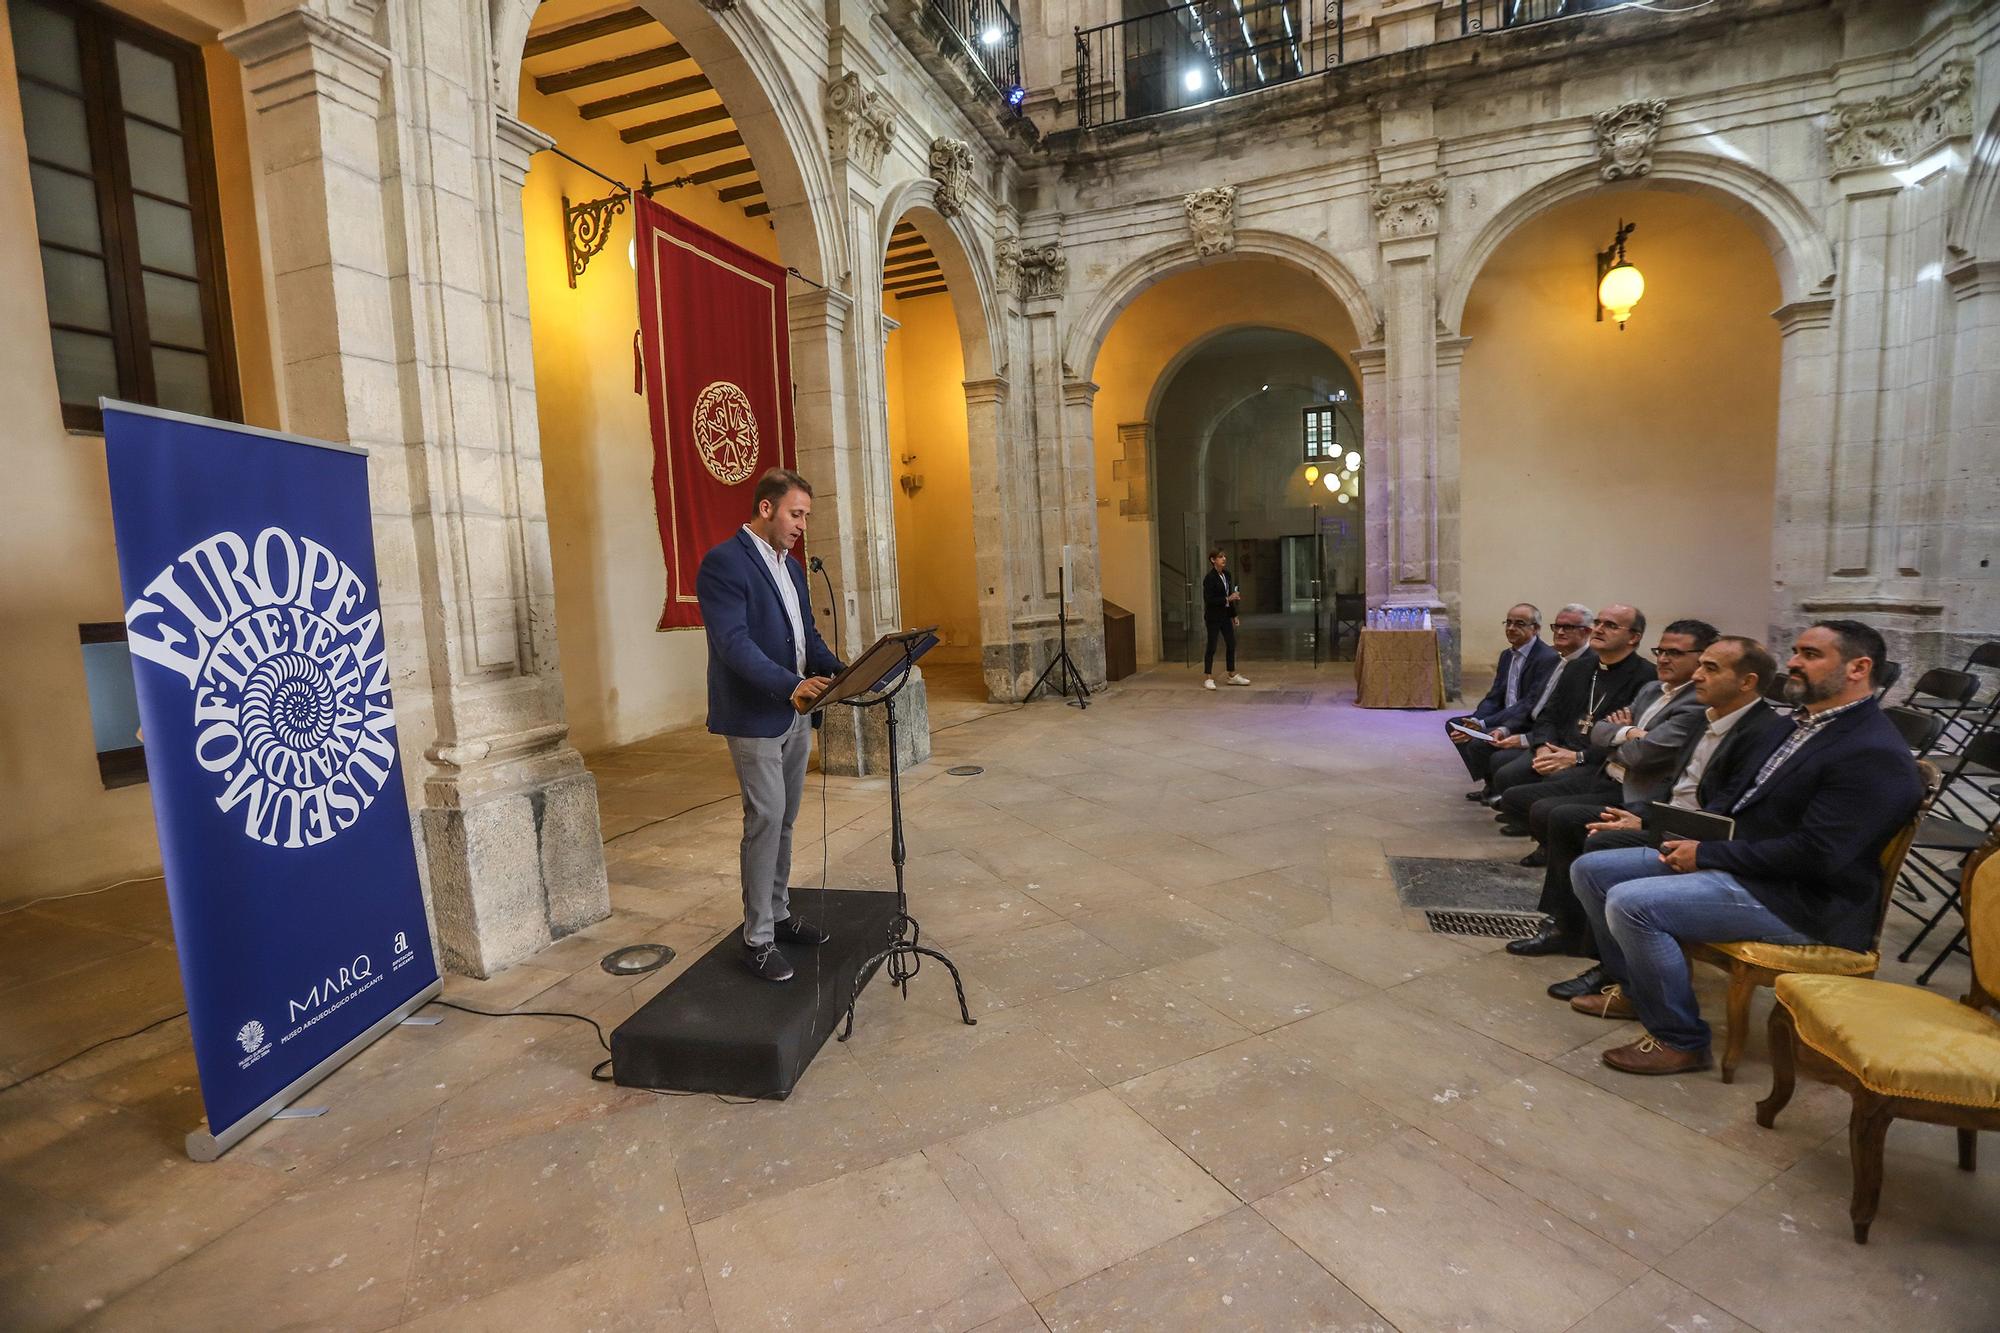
[1634, 746]
[766, 663]
[1518, 678]
[1561, 734]
[1712, 768]
[1802, 867]
[1510, 728]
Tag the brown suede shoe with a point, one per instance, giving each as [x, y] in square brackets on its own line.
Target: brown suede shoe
[1646, 1056]
[1607, 1003]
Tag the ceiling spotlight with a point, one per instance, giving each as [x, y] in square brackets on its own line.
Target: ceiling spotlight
[1342, 497]
[1016, 95]
[1353, 460]
[1333, 484]
[993, 36]
[1192, 80]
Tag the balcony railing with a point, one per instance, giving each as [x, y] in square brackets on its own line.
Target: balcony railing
[1189, 54]
[987, 37]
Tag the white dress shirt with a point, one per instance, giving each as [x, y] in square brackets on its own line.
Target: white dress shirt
[774, 565]
[1704, 750]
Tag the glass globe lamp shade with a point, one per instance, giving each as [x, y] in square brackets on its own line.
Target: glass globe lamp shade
[1332, 482]
[1312, 474]
[1620, 291]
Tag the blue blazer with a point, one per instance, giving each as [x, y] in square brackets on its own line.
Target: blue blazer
[750, 644]
[1809, 842]
[1494, 710]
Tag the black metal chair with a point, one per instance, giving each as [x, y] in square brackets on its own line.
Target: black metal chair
[1350, 613]
[1964, 816]
[1920, 730]
[1886, 676]
[1971, 716]
[1944, 694]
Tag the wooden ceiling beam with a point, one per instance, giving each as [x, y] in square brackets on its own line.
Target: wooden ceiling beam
[693, 85]
[654, 129]
[741, 167]
[910, 258]
[714, 143]
[605, 70]
[574, 34]
[756, 210]
[905, 242]
[927, 291]
[903, 284]
[735, 192]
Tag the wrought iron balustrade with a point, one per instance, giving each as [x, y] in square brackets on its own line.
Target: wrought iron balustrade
[988, 37]
[1189, 54]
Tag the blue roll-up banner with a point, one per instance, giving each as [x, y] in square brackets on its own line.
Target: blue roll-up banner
[260, 660]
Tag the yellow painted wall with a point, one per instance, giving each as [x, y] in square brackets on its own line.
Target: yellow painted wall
[60, 831]
[1162, 322]
[925, 369]
[1605, 466]
[622, 679]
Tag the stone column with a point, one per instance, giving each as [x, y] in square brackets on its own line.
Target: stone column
[393, 313]
[1077, 524]
[1806, 376]
[986, 432]
[1970, 508]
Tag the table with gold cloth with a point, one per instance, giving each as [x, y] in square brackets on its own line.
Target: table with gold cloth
[1398, 668]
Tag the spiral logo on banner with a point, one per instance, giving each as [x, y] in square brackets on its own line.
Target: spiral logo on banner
[725, 433]
[283, 656]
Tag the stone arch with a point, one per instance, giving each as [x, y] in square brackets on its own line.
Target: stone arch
[1974, 228]
[1798, 245]
[739, 57]
[1087, 334]
[966, 270]
[1194, 348]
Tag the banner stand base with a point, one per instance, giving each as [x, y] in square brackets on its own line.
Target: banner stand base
[203, 1146]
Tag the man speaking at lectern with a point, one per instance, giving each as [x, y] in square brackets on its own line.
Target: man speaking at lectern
[766, 664]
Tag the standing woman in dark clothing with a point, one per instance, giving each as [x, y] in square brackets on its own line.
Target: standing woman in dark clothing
[1219, 599]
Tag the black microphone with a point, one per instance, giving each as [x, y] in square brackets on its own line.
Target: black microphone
[818, 566]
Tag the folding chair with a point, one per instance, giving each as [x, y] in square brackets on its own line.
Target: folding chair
[1920, 730]
[1944, 694]
[1964, 816]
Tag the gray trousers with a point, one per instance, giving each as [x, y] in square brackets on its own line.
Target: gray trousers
[772, 773]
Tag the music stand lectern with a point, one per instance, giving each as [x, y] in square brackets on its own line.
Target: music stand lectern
[877, 677]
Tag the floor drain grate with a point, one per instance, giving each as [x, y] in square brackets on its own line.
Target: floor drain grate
[965, 771]
[1490, 925]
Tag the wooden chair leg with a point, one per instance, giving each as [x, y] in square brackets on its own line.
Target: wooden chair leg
[1867, 1131]
[1968, 1150]
[1742, 986]
[1784, 1065]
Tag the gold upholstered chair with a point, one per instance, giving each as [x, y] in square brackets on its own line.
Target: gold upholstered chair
[1754, 963]
[1900, 1051]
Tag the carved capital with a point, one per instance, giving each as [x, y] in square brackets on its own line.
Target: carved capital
[1030, 271]
[1211, 219]
[1625, 137]
[860, 125]
[951, 167]
[300, 54]
[1889, 130]
[1408, 208]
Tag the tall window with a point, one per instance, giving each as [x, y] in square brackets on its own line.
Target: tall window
[119, 158]
[1320, 442]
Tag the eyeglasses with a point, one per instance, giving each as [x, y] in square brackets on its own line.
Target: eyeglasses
[1522, 624]
[1673, 652]
[1561, 628]
[1601, 623]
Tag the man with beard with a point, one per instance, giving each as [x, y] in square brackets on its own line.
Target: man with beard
[1802, 865]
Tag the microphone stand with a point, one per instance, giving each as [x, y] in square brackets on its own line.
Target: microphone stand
[904, 954]
[1063, 663]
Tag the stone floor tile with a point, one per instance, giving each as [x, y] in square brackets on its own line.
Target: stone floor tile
[1256, 1115]
[1075, 1188]
[1433, 1241]
[952, 1081]
[47, 1020]
[1386, 955]
[1785, 1258]
[35, 946]
[1128, 1026]
[1655, 1304]
[1265, 902]
[888, 1248]
[626, 1290]
[1092, 886]
[1264, 985]
[1407, 1061]
[729, 1153]
[1028, 965]
[1506, 998]
[548, 1086]
[1164, 928]
[541, 1203]
[1235, 1272]
[1636, 1178]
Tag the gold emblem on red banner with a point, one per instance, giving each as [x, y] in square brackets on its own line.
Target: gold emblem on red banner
[725, 433]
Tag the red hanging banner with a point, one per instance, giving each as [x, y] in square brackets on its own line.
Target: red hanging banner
[718, 374]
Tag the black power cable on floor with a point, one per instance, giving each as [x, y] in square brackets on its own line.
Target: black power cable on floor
[67, 1059]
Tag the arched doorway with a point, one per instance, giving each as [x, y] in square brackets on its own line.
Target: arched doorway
[628, 96]
[1604, 465]
[1235, 422]
[924, 284]
[1141, 330]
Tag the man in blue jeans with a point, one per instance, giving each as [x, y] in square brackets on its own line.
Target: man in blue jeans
[1802, 868]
